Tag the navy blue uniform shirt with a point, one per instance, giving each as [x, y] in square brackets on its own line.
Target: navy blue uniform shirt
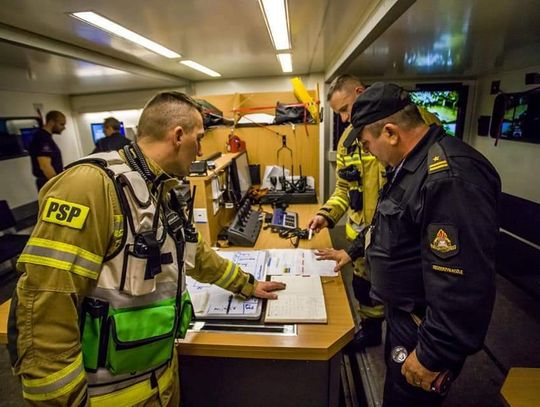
[433, 244]
[113, 142]
[43, 145]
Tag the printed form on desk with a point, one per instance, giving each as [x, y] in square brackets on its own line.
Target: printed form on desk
[301, 301]
[213, 302]
[297, 262]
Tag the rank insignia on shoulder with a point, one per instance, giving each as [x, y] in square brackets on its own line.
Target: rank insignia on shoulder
[65, 213]
[443, 240]
[437, 160]
[438, 165]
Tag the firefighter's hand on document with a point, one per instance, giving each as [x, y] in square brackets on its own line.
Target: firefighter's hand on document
[317, 223]
[263, 289]
[341, 257]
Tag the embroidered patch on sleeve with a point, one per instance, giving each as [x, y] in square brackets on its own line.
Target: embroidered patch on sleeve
[443, 240]
[65, 213]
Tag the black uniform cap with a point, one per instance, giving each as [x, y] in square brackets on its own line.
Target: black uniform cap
[378, 101]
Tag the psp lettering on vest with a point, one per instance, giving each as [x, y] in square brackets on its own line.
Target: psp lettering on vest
[65, 213]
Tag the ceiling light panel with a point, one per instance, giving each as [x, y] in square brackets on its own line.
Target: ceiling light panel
[277, 21]
[286, 62]
[116, 29]
[200, 68]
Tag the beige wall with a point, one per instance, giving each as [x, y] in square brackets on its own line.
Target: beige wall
[126, 105]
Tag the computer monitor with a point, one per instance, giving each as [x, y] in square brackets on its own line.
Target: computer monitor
[26, 136]
[240, 176]
[98, 131]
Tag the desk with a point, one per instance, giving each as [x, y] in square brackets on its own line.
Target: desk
[521, 388]
[4, 313]
[229, 369]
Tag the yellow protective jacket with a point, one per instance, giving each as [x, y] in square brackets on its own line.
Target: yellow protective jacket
[60, 267]
[372, 177]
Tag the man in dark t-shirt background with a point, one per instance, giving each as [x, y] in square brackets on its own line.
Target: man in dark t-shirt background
[45, 155]
[113, 140]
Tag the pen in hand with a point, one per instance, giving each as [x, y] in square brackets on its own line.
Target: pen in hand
[229, 304]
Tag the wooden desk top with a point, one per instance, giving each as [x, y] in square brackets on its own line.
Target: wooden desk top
[269, 240]
[521, 388]
[4, 313]
[313, 341]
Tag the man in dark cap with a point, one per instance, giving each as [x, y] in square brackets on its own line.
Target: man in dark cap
[431, 248]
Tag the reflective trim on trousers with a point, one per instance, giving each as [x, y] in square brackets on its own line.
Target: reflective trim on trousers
[55, 385]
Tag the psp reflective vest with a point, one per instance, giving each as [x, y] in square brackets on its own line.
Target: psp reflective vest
[140, 305]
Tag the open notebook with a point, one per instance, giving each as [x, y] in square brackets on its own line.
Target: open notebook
[301, 301]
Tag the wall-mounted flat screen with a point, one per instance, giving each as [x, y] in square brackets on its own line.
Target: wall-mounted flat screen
[26, 136]
[516, 116]
[446, 101]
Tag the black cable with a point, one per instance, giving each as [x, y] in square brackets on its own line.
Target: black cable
[142, 161]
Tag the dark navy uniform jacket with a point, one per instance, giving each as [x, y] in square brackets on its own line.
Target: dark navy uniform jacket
[113, 142]
[433, 244]
[43, 145]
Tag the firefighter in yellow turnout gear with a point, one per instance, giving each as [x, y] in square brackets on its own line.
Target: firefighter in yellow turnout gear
[359, 178]
[102, 294]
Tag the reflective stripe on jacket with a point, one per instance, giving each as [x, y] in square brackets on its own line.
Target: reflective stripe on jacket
[78, 238]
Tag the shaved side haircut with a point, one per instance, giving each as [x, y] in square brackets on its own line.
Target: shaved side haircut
[54, 115]
[343, 82]
[165, 111]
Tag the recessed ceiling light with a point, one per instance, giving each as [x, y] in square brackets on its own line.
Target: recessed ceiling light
[116, 29]
[277, 21]
[286, 62]
[200, 68]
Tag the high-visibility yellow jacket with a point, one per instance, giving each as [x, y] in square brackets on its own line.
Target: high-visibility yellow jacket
[60, 266]
[372, 177]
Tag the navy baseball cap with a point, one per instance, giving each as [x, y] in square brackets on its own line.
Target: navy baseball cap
[378, 101]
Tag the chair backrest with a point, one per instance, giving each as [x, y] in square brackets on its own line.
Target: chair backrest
[6, 217]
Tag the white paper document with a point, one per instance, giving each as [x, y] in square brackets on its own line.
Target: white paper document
[301, 301]
[297, 262]
[213, 302]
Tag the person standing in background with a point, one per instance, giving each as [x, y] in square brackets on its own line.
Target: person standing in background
[46, 157]
[113, 140]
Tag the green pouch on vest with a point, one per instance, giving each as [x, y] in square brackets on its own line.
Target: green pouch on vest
[141, 339]
[185, 316]
[90, 342]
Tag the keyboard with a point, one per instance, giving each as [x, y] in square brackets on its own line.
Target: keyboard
[284, 219]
